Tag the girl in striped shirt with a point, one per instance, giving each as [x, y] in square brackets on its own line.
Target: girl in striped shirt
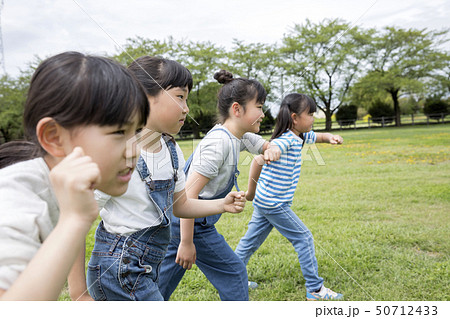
[272, 188]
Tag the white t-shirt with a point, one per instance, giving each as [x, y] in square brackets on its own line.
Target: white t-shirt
[213, 157]
[28, 213]
[134, 210]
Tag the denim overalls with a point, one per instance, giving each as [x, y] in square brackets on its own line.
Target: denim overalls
[127, 267]
[215, 258]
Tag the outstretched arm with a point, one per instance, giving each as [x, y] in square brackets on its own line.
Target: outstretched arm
[329, 138]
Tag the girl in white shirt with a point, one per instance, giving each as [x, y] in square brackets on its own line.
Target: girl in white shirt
[79, 113]
[131, 241]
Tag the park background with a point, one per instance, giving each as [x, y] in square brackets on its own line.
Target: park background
[379, 206]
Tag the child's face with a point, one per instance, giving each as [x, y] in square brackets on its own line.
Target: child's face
[302, 123]
[107, 146]
[168, 110]
[253, 116]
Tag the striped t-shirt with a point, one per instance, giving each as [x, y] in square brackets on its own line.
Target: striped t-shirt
[278, 180]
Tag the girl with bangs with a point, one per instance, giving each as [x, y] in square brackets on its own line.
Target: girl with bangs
[211, 173]
[132, 238]
[79, 113]
[272, 191]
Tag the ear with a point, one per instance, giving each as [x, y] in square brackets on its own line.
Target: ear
[236, 109]
[294, 117]
[51, 136]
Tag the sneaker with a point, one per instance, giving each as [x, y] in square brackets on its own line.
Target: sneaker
[252, 285]
[324, 294]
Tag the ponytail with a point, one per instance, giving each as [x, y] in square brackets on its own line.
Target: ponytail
[283, 122]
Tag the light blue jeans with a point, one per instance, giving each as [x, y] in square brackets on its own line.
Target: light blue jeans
[291, 227]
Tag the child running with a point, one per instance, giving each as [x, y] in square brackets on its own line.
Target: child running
[275, 191]
[79, 113]
[212, 173]
[132, 238]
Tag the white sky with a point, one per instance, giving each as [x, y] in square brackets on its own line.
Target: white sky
[47, 27]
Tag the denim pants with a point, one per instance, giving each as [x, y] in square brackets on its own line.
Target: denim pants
[126, 268]
[215, 259]
[291, 227]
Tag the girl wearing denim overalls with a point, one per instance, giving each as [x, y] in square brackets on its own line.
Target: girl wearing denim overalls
[276, 187]
[212, 172]
[77, 124]
[132, 238]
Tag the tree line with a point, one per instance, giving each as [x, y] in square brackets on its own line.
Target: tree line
[333, 61]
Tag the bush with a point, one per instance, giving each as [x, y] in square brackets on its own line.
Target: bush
[435, 108]
[347, 114]
[381, 112]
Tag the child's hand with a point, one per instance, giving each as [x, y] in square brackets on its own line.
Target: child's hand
[73, 180]
[249, 195]
[186, 255]
[234, 202]
[336, 139]
[272, 153]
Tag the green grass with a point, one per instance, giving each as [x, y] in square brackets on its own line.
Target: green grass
[379, 211]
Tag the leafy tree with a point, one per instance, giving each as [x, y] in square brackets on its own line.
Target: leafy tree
[12, 99]
[203, 59]
[324, 60]
[401, 60]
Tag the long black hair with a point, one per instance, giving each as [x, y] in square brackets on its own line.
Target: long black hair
[78, 90]
[240, 90]
[292, 103]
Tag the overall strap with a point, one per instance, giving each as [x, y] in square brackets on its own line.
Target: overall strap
[142, 168]
[236, 171]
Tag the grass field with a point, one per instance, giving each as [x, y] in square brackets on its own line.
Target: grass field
[379, 210]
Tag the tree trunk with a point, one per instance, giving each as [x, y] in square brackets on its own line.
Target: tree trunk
[394, 95]
[196, 131]
[328, 115]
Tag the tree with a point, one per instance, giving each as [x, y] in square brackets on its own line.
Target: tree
[401, 60]
[203, 59]
[324, 60]
[12, 99]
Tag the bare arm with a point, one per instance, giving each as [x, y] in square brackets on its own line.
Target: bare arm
[255, 171]
[77, 279]
[187, 254]
[329, 138]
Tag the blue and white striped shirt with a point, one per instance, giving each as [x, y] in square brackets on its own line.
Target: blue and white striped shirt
[279, 179]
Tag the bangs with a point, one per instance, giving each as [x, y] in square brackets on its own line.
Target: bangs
[256, 90]
[176, 75]
[311, 104]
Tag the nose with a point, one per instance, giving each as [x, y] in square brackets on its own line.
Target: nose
[185, 108]
[131, 150]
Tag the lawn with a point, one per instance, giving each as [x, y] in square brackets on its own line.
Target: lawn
[378, 207]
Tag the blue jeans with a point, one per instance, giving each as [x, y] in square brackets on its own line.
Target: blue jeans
[291, 227]
[127, 268]
[215, 259]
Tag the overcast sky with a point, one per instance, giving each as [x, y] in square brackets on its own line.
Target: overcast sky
[47, 27]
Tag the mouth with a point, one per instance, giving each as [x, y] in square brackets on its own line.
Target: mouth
[182, 120]
[125, 174]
